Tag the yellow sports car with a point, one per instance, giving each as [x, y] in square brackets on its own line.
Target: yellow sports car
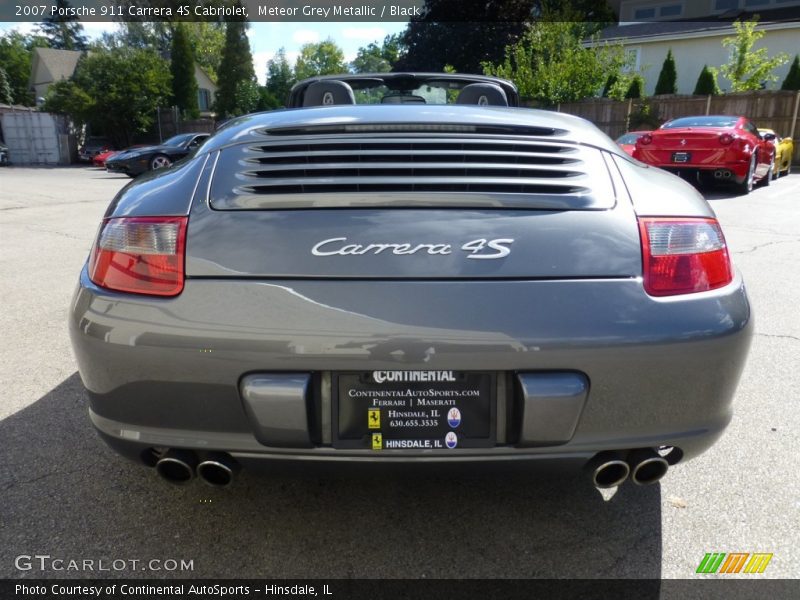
[784, 149]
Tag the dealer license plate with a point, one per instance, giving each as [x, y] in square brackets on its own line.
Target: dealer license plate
[681, 157]
[414, 410]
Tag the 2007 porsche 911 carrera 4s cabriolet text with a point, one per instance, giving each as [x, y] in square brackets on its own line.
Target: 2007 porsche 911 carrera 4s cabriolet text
[408, 269]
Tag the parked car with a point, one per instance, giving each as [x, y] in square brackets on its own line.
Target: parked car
[92, 147]
[784, 151]
[627, 141]
[3, 155]
[450, 281]
[136, 161]
[710, 149]
[99, 160]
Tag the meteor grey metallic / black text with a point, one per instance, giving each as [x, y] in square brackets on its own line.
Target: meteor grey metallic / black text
[410, 283]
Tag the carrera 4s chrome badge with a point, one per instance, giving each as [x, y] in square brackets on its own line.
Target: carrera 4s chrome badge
[477, 249]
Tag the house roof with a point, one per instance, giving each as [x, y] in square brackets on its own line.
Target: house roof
[710, 24]
[50, 65]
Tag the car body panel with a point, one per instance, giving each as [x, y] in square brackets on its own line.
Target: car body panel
[568, 299]
[784, 152]
[199, 345]
[255, 127]
[704, 150]
[100, 159]
[627, 141]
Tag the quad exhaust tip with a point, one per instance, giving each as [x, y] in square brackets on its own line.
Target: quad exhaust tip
[647, 466]
[218, 469]
[644, 466]
[177, 466]
[609, 469]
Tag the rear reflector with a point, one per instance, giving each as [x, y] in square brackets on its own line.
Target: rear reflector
[140, 255]
[683, 256]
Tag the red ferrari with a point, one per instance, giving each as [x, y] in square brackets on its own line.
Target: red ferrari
[710, 149]
[99, 159]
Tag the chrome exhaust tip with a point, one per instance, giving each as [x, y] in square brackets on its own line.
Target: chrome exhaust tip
[647, 466]
[609, 469]
[177, 466]
[218, 469]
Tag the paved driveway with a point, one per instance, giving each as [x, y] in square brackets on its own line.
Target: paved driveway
[64, 494]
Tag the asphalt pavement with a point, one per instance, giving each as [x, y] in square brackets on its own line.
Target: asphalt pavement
[67, 496]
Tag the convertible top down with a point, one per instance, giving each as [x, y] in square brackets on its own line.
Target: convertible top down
[436, 278]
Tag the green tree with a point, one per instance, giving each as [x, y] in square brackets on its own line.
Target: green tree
[792, 81]
[610, 82]
[126, 85]
[235, 67]
[248, 95]
[370, 60]
[64, 32]
[707, 83]
[15, 58]
[207, 40]
[321, 58]
[184, 84]
[635, 88]
[5, 89]
[482, 30]
[551, 65]
[749, 68]
[67, 98]
[280, 79]
[375, 58]
[668, 77]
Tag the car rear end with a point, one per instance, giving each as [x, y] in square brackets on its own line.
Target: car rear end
[92, 147]
[712, 151]
[331, 289]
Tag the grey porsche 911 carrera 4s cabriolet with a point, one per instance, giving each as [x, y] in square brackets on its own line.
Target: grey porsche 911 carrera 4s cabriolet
[409, 269]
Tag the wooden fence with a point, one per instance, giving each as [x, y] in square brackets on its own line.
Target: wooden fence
[776, 110]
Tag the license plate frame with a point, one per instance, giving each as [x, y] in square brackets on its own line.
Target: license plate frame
[681, 157]
[407, 402]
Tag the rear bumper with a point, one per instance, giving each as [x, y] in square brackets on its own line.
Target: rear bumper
[701, 161]
[660, 371]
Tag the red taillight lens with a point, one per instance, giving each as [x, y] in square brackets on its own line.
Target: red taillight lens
[726, 139]
[140, 255]
[683, 256]
[645, 139]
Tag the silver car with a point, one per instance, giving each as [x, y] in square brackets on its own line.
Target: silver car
[409, 269]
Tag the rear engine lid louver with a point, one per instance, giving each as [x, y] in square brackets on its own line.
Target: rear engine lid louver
[408, 169]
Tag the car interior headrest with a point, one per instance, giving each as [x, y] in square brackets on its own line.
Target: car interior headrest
[482, 94]
[328, 93]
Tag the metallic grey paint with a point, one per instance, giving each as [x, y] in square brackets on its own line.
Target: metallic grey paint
[169, 372]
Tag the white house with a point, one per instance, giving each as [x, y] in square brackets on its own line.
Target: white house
[694, 30]
[206, 91]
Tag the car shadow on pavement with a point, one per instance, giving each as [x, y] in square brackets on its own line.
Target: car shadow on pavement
[67, 495]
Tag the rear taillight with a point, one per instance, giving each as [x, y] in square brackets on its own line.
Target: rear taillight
[683, 256]
[645, 139]
[726, 139]
[140, 255]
